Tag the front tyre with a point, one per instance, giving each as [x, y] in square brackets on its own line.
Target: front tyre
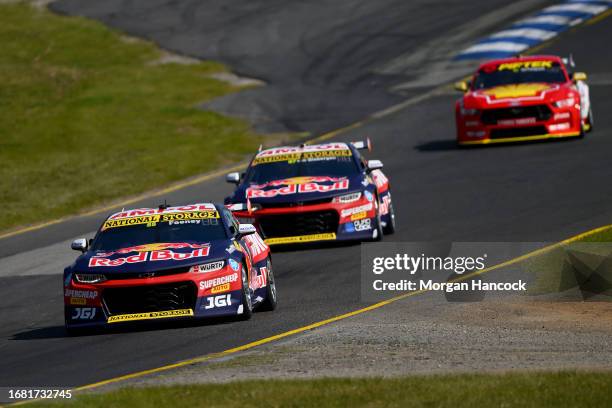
[389, 228]
[590, 121]
[245, 302]
[270, 302]
[377, 231]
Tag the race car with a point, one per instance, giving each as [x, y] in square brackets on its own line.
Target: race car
[314, 193]
[523, 98]
[151, 264]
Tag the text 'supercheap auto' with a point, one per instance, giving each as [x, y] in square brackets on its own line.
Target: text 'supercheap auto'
[313, 193]
[181, 262]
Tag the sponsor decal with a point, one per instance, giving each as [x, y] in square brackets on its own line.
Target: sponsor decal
[78, 301]
[309, 187]
[515, 91]
[209, 267]
[356, 210]
[86, 294]
[293, 154]
[183, 216]
[359, 216]
[261, 280]
[525, 65]
[384, 206]
[369, 196]
[233, 264]
[297, 181]
[152, 211]
[150, 315]
[309, 156]
[207, 284]
[152, 220]
[153, 256]
[83, 313]
[218, 301]
[256, 244]
[153, 247]
[301, 239]
[149, 220]
[512, 122]
[363, 225]
[220, 288]
[379, 179]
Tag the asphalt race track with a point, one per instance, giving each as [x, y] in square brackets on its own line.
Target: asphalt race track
[527, 192]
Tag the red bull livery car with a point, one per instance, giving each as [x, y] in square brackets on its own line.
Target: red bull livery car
[313, 193]
[168, 262]
[523, 98]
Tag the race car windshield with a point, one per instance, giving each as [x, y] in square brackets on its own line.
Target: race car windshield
[341, 166]
[204, 230]
[492, 77]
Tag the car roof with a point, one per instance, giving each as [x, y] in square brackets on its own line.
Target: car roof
[273, 151]
[496, 62]
[136, 212]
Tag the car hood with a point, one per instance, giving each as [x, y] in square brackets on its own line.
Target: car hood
[514, 94]
[152, 257]
[299, 189]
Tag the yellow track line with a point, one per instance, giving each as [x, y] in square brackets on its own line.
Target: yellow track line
[312, 326]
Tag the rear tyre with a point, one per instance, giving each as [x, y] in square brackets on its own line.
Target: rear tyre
[270, 302]
[245, 301]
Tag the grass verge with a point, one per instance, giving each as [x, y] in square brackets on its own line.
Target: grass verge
[559, 389]
[88, 116]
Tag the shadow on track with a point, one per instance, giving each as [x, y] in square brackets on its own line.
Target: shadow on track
[451, 144]
[438, 146]
[54, 332]
[312, 246]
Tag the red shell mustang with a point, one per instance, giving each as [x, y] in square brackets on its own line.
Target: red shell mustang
[520, 99]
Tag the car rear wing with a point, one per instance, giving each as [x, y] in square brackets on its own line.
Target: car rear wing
[363, 145]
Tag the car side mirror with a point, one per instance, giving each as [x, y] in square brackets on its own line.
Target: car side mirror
[79, 244]
[579, 76]
[233, 177]
[246, 229]
[374, 165]
[461, 86]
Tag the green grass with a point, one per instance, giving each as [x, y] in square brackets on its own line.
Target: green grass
[562, 389]
[87, 117]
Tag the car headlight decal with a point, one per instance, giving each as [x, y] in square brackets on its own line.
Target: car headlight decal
[565, 103]
[89, 277]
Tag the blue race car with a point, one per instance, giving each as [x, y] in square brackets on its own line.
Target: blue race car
[312, 193]
[169, 262]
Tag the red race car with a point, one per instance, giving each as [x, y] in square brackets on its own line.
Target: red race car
[523, 98]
